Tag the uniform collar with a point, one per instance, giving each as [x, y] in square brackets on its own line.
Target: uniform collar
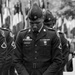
[42, 33]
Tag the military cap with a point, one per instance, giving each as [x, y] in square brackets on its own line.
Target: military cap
[48, 17]
[35, 12]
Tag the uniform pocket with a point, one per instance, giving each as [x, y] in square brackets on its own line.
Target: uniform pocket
[44, 43]
[27, 45]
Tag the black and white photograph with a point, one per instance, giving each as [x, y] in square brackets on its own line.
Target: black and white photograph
[37, 37]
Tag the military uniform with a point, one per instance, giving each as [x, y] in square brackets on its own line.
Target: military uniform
[41, 54]
[3, 48]
[49, 21]
[65, 47]
[38, 50]
[8, 45]
[65, 52]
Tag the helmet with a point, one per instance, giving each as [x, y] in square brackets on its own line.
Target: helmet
[49, 19]
[35, 12]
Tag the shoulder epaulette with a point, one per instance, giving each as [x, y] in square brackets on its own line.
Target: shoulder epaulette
[60, 33]
[24, 29]
[51, 29]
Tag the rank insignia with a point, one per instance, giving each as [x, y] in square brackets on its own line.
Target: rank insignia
[35, 17]
[13, 45]
[4, 45]
[27, 39]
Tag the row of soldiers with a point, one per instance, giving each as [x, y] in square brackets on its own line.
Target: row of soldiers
[38, 50]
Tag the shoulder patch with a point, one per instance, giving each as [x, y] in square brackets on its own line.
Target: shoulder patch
[4, 45]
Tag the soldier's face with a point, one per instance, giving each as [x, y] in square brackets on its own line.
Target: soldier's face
[36, 25]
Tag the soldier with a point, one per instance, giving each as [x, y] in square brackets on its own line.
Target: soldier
[38, 50]
[3, 48]
[7, 49]
[8, 33]
[50, 21]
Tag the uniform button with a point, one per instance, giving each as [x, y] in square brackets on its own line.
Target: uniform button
[35, 45]
[35, 57]
[35, 51]
[34, 65]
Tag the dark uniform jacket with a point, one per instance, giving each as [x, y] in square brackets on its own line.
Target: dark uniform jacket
[65, 52]
[3, 48]
[6, 48]
[37, 56]
[65, 48]
[10, 47]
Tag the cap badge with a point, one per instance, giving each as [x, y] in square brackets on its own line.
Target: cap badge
[35, 17]
[49, 19]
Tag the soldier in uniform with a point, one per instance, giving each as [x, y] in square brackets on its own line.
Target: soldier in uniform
[49, 21]
[38, 50]
[3, 48]
[7, 47]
